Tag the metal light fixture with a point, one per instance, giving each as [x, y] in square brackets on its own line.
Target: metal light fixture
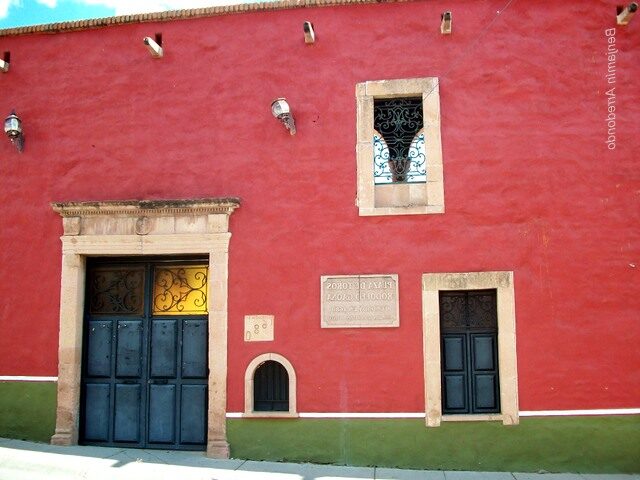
[13, 129]
[309, 33]
[154, 46]
[4, 62]
[625, 16]
[445, 23]
[280, 109]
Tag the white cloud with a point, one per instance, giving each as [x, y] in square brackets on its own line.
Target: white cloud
[48, 3]
[4, 7]
[128, 7]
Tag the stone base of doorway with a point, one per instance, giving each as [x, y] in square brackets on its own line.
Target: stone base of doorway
[607, 444]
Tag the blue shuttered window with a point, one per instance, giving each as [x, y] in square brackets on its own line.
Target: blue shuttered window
[469, 348]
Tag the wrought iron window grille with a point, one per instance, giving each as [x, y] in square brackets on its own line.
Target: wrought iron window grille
[271, 387]
[399, 154]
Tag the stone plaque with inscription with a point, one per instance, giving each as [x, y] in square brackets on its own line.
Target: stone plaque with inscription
[357, 301]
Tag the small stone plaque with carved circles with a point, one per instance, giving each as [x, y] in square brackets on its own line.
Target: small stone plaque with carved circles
[258, 328]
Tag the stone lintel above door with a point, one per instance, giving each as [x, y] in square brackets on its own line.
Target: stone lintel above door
[146, 217]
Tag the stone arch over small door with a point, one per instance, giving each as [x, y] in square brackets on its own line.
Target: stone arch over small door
[139, 228]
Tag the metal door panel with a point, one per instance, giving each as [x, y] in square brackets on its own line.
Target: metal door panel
[455, 392]
[454, 353]
[483, 352]
[194, 349]
[193, 414]
[127, 413]
[129, 348]
[468, 325]
[163, 348]
[485, 391]
[162, 407]
[144, 376]
[99, 348]
[96, 418]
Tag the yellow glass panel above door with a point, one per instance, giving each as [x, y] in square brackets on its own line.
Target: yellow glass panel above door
[180, 290]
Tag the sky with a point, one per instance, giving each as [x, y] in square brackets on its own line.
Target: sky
[17, 13]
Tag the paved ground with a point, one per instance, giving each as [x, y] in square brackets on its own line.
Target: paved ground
[34, 461]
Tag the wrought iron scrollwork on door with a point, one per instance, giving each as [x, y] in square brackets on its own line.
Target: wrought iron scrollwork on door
[114, 290]
[476, 309]
[180, 290]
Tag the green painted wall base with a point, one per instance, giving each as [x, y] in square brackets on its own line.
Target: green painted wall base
[608, 444]
[555, 444]
[27, 410]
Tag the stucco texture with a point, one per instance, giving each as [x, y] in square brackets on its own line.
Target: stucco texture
[530, 185]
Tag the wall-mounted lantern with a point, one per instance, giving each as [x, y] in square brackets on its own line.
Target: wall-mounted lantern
[626, 14]
[154, 46]
[445, 23]
[13, 129]
[309, 33]
[280, 109]
[4, 62]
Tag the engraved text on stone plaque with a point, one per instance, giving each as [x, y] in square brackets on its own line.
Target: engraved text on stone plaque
[358, 301]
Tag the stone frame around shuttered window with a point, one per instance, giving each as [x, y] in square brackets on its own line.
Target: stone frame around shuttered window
[502, 282]
[399, 198]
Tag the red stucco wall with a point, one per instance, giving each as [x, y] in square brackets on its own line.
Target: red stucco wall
[530, 185]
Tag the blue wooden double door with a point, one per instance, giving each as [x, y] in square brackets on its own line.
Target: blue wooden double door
[144, 378]
[469, 347]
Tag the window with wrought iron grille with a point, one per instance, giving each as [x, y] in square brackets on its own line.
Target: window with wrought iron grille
[398, 141]
[270, 387]
[399, 153]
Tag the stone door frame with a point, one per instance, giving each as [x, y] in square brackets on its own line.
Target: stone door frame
[138, 228]
[502, 282]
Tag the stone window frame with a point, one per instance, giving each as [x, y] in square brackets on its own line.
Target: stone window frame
[141, 228]
[399, 198]
[502, 282]
[248, 387]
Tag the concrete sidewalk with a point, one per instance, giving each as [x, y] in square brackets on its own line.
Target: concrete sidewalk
[34, 461]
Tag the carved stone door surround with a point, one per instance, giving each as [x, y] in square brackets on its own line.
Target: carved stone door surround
[120, 228]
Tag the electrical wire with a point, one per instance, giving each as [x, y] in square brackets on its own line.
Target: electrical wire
[473, 44]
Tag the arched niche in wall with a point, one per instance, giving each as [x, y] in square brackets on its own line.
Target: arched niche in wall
[249, 386]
